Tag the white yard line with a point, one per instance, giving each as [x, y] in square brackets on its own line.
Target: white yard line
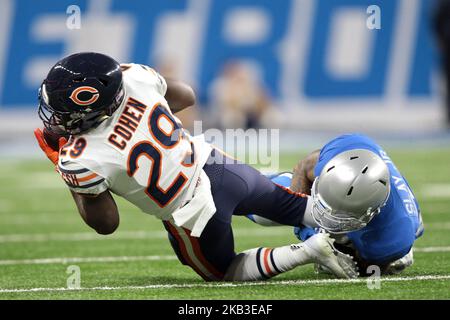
[244, 284]
[435, 190]
[80, 236]
[437, 226]
[432, 249]
[130, 235]
[140, 234]
[65, 260]
[149, 234]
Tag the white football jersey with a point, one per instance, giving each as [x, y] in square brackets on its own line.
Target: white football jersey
[140, 153]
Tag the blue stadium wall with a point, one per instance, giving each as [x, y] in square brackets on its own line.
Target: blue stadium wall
[292, 47]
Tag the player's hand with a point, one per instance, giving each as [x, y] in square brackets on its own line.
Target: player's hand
[52, 154]
[300, 182]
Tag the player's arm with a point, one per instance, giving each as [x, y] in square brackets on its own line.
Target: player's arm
[98, 211]
[179, 95]
[303, 176]
[89, 190]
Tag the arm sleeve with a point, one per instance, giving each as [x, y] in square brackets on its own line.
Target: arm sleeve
[80, 179]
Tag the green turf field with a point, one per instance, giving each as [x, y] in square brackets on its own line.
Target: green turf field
[41, 235]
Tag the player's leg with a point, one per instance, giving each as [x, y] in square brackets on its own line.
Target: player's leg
[273, 202]
[264, 263]
[209, 255]
[284, 179]
[212, 255]
[257, 194]
[269, 200]
[230, 189]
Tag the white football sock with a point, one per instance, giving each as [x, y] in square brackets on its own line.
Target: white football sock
[264, 263]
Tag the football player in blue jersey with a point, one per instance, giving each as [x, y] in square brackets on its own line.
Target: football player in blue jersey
[344, 178]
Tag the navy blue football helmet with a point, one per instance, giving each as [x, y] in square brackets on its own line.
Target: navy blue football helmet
[79, 92]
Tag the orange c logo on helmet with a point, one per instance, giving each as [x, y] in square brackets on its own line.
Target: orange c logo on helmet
[77, 91]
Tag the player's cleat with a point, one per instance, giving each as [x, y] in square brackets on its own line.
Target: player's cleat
[325, 254]
[401, 264]
[320, 269]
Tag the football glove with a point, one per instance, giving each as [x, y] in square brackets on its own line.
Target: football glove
[51, 153]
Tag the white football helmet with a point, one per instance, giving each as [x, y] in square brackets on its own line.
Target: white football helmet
[350, 191]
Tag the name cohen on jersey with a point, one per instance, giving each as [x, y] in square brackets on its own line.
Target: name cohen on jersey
[127, 124]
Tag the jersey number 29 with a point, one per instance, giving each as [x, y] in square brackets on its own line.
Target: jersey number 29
[149, 150]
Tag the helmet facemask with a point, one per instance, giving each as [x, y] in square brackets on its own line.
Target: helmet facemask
[77, 121]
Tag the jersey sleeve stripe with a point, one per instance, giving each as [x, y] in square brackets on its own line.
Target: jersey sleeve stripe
[87, 178]
[72, 171]
[86, 185]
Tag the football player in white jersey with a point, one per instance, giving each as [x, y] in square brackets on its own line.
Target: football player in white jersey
[123, 138]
